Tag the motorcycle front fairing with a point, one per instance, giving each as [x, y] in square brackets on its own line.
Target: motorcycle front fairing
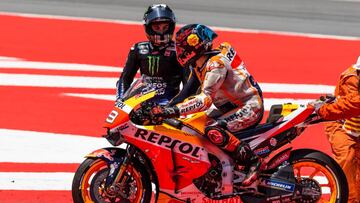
[184, 151]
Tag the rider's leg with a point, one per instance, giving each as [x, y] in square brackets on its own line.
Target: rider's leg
[220, 135]
[239, 151]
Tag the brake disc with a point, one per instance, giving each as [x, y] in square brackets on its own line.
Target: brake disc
[311, 191]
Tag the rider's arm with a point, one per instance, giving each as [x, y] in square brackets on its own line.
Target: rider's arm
[214, 77]
[345, 107]
[189, 88]
[129, 72]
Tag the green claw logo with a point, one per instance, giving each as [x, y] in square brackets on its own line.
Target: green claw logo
[153, 62]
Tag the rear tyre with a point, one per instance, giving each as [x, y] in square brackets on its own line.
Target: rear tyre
[312, 166]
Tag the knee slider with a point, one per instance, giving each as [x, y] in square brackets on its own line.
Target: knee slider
[217, 136]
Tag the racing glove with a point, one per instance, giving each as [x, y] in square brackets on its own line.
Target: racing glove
[316, 104]
[321, 101]
[159, 113]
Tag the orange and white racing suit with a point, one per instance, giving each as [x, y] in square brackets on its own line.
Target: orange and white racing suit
[227, 85]
[344, 134]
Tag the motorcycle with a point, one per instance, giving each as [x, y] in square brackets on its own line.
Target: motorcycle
[173, 162]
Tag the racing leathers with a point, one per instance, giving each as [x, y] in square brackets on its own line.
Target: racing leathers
[344, 134]
[159, 69]
[226, 84]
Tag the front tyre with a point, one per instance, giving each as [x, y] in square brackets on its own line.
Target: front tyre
[316, 168]
[89, 184]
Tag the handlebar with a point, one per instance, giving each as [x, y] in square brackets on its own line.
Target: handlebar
[174, 123]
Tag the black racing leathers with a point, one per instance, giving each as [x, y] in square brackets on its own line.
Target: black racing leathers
[158, 67]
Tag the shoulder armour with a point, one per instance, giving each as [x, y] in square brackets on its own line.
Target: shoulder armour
[215, 62]
[143, 47]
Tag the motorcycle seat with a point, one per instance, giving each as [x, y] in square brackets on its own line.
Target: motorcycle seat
[258, 129]
[271, 122]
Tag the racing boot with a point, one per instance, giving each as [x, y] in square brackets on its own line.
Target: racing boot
[239, 151]
[243, 155]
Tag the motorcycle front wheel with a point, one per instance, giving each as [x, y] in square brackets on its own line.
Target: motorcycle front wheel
[320, 172]
[89, 184]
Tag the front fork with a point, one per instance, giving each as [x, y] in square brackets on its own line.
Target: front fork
[118, 168]
[118, 162]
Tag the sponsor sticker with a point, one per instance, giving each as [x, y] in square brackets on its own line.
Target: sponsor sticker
[193, 40]
[228, 200]
[280, 185]
[168, 142]
[273, 142]
[263, 150]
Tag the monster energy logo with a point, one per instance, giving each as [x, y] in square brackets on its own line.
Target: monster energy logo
[153, 64]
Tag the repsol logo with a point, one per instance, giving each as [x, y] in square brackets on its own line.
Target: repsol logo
[191, 107]
[168, 142]
[244, 112]
[229, 200]
[230, 55]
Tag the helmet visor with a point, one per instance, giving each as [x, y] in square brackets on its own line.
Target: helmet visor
[160, 27]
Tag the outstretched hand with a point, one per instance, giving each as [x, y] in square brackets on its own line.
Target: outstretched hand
[151, 113]
[317, 104]
[141, 115]
[159, 113]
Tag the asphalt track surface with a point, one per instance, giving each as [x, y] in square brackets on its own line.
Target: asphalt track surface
[331, 17]
[57, 80]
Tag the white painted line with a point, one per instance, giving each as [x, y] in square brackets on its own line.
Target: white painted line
[7, 79]
[35, 181]
[297, 88]
[56, 81]
[39, 147]
[109, 97]
[268, 102]
[57, 66]
[52, 181]
[41, 80]
[295, 34]
[5, 58]
[59, 17]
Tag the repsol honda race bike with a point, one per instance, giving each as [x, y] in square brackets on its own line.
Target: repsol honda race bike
[173, 162]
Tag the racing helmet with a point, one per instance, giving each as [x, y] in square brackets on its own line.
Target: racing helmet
[159, 13]
[193, 41]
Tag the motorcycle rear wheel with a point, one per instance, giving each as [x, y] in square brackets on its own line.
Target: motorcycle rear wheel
[89, 184]
[324, 171]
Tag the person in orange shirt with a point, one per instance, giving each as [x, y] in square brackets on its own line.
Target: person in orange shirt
[344, 133]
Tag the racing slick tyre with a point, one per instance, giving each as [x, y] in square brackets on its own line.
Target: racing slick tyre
[89, 184]
[316, 168]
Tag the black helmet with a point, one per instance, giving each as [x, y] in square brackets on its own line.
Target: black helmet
[159, 13]
[192, 41]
